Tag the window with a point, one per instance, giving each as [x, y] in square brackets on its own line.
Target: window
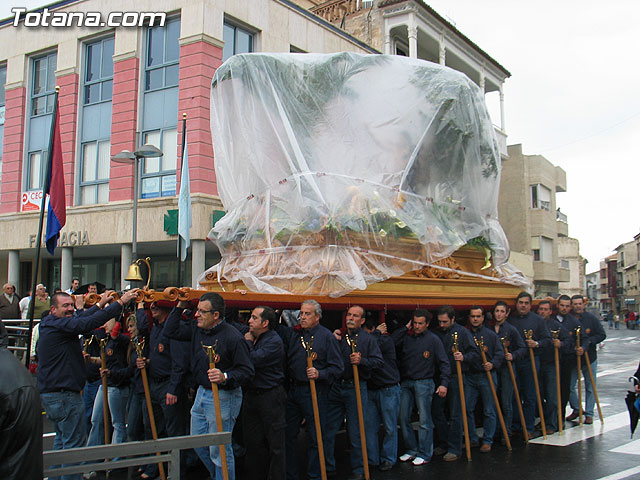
[3, 80]
[160, 109]
[540, 197]
[43, 81]
[96, 122]
[564, 264]
[542, 249]
[236, 40]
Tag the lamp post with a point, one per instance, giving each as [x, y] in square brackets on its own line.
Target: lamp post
[125, 156]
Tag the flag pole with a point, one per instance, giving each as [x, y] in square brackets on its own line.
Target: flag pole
[45, 191]
[184, 136]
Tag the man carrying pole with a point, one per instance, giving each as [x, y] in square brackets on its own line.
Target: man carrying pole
[568, 359]
[461, 350]
[550, 367]
[514, 348]
[314, 362]
[360, 355]
[592, 334]
[232, 368]
[481, 381]
[534, 332]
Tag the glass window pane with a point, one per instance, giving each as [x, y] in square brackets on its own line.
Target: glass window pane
[92, 93]
[50, 99]
[3, 80]
[103, 193]
[51, 75]
[89, 162]
[168, 185]
[107, 90]
[171, 76]
[173, 47]
[38, 106]
[35, 165]
[155, 48]
[104, 150]
[93, 62]
[39, 75]
[170, 149]
[151, 187]
[244, 41]
[88, 195]
[153, 79]
[151, 165]
[107, 58]
[229, 40]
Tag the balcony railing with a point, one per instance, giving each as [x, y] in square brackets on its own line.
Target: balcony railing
[561, 217]
[336, 10]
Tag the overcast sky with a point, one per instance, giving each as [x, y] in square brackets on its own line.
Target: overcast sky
[574, 97]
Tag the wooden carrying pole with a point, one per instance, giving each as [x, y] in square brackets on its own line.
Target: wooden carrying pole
[352, 342]
[211, 353]
[147, 396]
[579, 374]
[523, 422]
[554, 334]
[316, 412]
[529, 336]
[463, 403]
[492, 386]
[105, 392]
[593, 385]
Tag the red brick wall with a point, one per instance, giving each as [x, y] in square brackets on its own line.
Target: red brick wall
[68, 105]
[124, 116]
[13, 150]
[198, 63]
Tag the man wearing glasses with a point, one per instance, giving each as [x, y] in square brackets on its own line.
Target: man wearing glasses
[233, 369]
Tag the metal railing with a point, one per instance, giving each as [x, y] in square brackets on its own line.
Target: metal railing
[144, 452]
[18, 330]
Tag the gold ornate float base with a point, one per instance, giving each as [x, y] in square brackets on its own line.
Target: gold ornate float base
[427, 287]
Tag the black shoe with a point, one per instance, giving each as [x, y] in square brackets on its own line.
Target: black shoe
[356, 476]
[385, 466]
[332, 474]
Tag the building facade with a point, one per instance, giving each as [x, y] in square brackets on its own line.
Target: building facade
[534, 224]
[592, 290]
[627, 276]
[121, 88]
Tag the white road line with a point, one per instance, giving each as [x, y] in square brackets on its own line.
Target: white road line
[631, 448]
[613, 371]
[623, 474]
[577, 434]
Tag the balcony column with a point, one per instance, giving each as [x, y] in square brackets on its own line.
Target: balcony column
[443, 51]
[502, 121]
[13, 268]
[387, 42]
[413, 39]
[197, 260]
[482, 81]
[66, 268]
[125, 261]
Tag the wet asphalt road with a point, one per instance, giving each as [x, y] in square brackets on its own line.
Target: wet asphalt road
[595, 452]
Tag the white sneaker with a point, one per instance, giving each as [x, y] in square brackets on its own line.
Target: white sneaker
[407, 458]
[419, 461]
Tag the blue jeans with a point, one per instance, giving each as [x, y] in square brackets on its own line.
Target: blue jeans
[89, 396]
[342, 402]
[475, 384]
[420, 393]
[203, 420]
[549, 392]
[449, 430]
[527, 388]
[506, 396]
[590, 399]
[118, 399]
[298, 407]
[65, 410]
[382, 405]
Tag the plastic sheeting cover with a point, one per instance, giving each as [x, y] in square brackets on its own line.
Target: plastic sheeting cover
[339, 171]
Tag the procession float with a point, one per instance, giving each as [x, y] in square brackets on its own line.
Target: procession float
[354, 179]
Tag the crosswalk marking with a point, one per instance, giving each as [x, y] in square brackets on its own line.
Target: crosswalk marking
[577, 434]
[613, 371]
[620, 475]
[631, 448]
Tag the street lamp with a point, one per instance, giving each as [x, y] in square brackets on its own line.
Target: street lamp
[125, 156]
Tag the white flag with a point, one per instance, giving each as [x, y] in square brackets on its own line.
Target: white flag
[184, 205]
